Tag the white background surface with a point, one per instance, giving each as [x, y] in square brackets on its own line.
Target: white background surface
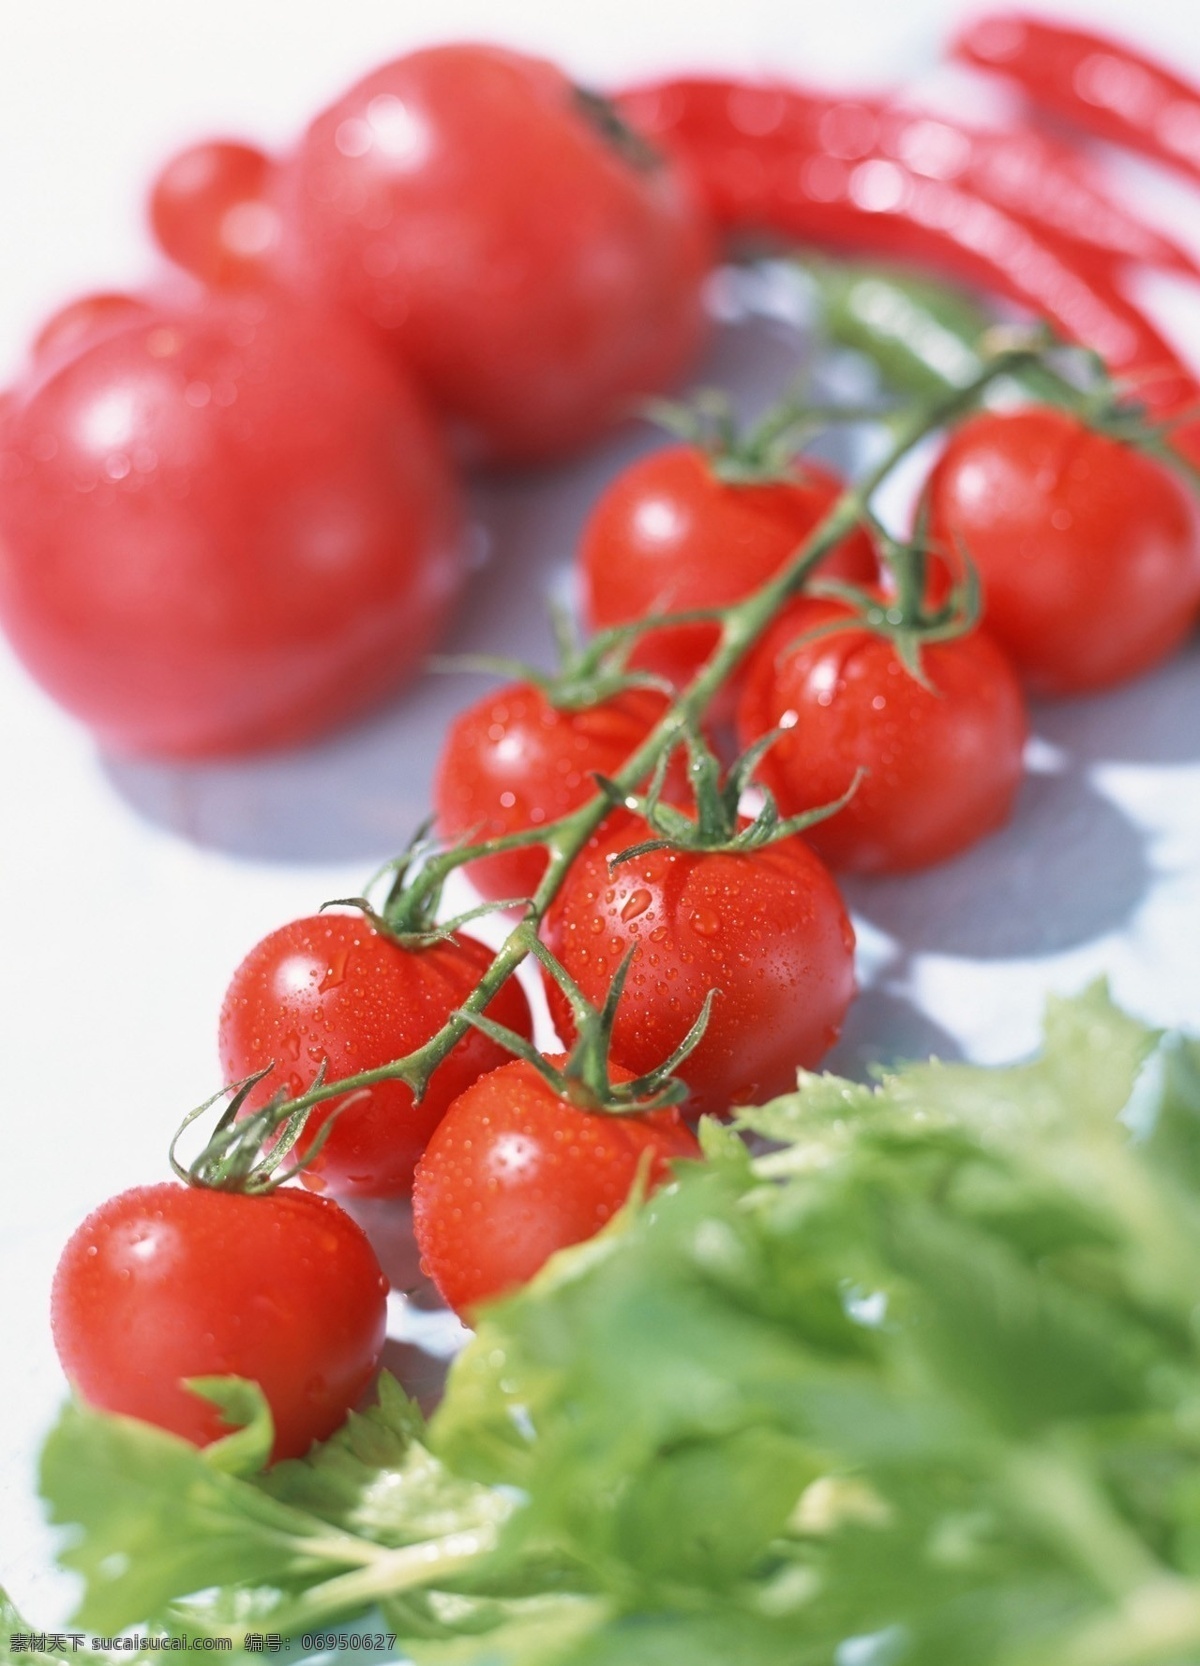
[128, 894]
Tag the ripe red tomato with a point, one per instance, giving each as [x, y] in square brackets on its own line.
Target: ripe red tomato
[331, 987]
[167, 1282]
[516, 1172]
[211, 211]
[668, 535]
[513, 760]
[1088, 550]
[942, 768]
[536, 266]
[767, 928]
[223, 528]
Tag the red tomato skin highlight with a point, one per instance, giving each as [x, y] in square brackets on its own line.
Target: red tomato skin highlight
[768, 929]
[942, 770]
[167, 1282]
[667, 535]
[537, 280]
[515, 1173]
[1087, 550]
[84, 320]
[330, 987]
[210, 210]
[514, 761]
[223, 529]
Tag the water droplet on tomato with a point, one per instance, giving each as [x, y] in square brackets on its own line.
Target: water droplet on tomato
[637, 903]
[336, 971]
[705, 922]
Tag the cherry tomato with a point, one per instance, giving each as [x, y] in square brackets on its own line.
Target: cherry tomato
[516, 1172]
[943, 764]
[223, 529]
[537, 265]
[668, 535]
[767, 928]
[211, 211]
[168, 1282]
[514, 760]
[331, 988]
[1088, 550]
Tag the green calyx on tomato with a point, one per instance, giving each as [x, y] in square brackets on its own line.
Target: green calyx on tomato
[761, 453]
[931, 594]
[716, 824]
[588, 672]
[409, 916]
[246, 1150]
[585, 1078]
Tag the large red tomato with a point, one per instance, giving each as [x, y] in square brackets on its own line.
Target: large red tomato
[332, 989]
[167, 1282]
[767, 928]
[537, 264]
[942, 764]
[1088, 550]
[222, 527]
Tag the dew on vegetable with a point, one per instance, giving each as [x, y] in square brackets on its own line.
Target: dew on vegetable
[636, 904]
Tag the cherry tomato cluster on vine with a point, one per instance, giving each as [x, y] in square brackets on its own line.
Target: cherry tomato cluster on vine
[938, 747]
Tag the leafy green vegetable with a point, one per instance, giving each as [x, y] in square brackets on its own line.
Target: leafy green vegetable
[919, 1383]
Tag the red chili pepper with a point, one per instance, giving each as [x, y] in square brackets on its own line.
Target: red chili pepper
[1036, 178]
[1102, 85]
[760, 179]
